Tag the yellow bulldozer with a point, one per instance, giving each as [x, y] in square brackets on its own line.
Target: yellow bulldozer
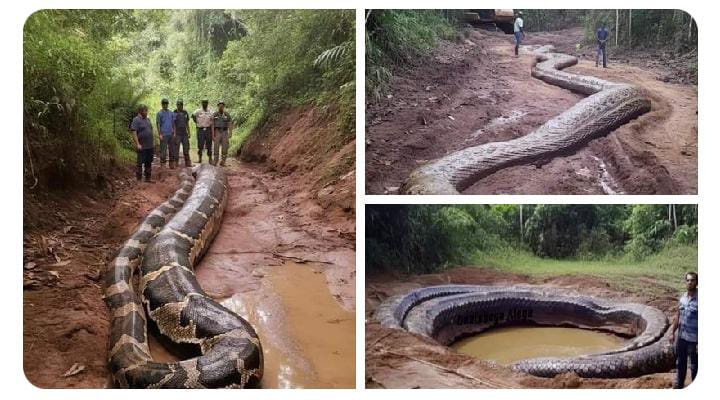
[502, 19]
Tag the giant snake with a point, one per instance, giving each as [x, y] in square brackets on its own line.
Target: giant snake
[449, 312]
[164, 250]
[608, 106]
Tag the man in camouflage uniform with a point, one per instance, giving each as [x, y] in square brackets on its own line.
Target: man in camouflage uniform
[221, 133]
[182, 134]
[203, 123]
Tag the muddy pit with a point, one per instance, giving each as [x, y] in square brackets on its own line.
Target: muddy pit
[396, 358]
[511, 344]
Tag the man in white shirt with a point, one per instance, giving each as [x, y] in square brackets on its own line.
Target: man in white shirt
[203, 118]
[519, 31]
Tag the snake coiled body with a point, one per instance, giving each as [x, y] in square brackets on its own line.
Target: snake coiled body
[164, 251]
[447, 313]
[608, 106]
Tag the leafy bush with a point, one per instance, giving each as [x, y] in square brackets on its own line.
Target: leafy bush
[395, 38]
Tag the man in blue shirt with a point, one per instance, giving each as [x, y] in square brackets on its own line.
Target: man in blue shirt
[165, 121]
[602, 37]
[686, 323]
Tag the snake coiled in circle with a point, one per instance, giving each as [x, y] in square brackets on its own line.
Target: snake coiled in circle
[449, 312]
[163, 252]
[608, 106]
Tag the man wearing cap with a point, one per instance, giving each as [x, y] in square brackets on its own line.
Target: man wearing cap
[519, 31]
[182, 134]
[203, 123]
[142, 134]
[221, 132]
[166, 130]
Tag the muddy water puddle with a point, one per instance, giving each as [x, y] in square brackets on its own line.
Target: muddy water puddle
[508, 345]
[308, 338]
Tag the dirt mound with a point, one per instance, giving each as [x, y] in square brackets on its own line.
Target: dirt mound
[306, 142]
[398, 359]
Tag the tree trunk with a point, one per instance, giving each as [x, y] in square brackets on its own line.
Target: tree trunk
[629, 28]
[521, 223]
[617, 26]
[674, 216]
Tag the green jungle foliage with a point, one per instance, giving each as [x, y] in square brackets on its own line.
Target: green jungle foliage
[425, 238]
[86, 71]
[401, 38]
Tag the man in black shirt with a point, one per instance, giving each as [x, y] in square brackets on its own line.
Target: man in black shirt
[182, 133]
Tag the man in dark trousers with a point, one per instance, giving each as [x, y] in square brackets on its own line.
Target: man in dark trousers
[519, 31]
[602, 37]
[203, 122]
[686, 323]
[166, 130]
[142, 133]
[182, 132]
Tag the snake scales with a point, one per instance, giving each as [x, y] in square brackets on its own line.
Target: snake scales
[447, 313]
[608, 106]
[165, 249]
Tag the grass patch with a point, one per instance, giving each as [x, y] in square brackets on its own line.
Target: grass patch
[666, 267]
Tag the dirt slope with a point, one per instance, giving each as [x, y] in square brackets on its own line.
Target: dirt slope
[476, 92]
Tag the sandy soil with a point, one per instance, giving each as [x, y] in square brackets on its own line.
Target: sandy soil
[398, 359]
[270, 223]
[476, 92]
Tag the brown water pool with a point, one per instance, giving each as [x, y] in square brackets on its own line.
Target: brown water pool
[308, 339]
[511, 344]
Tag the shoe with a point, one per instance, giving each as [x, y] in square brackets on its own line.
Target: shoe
[222, 163]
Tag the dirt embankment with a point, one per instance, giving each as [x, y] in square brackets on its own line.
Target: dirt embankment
[306, 143]
[399, 359]
[289, 211]
[476, 91]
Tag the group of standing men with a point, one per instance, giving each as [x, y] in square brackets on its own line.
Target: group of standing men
[601, 35]
[214, 129]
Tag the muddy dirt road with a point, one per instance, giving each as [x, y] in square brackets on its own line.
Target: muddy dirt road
[398, 359]
[476, 92]
[280, 260]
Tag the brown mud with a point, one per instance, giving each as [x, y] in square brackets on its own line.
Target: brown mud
[511, 344]
[398, 359]
[280, 245]
[476, 91]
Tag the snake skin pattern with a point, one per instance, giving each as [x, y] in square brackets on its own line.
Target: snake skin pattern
[448, 313]
[608, 106]
[164, 250]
